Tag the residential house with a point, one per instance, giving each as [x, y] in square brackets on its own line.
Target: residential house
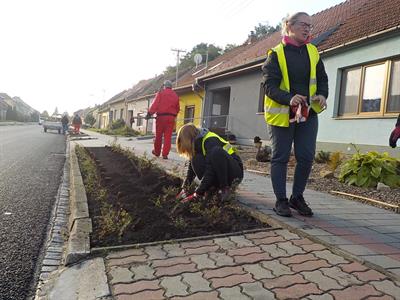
[359, 42]
[3, 109]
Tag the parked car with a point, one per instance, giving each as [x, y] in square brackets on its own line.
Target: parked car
[52, 123]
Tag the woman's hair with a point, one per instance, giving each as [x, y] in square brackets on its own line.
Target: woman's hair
[185, 140]
[291, 20]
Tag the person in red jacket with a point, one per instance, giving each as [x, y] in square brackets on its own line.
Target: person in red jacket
[395, 135]
[166, 106]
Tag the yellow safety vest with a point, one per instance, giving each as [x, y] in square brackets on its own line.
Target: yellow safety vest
[227, 147]
[277, 114]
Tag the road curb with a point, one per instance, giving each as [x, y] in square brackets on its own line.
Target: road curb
[80, 224]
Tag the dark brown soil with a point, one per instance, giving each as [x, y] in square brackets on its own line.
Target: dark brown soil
[147, 194]
[318, 183]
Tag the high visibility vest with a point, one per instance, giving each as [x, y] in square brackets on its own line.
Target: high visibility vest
[277, 114]
[227, 147]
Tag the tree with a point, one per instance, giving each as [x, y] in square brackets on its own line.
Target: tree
[89, 119]
[55, 112]
[262, 30]
[45, 114]
[229, 47]
[202, 48]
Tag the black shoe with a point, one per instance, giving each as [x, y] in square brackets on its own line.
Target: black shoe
[298, 203]
[282, 207]
[165, 157]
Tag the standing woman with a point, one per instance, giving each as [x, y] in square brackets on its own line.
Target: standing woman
[212, 159]
[296, 88]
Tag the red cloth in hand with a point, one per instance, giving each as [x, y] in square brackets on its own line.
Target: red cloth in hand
[192, 197]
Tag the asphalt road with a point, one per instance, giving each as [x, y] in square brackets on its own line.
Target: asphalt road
[31, 166]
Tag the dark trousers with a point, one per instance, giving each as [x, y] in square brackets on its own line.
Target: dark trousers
[221, 169]
[303, 136]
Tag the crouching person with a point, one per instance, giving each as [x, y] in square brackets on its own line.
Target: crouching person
[212, 159]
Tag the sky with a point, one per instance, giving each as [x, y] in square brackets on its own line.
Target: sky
[72, 54]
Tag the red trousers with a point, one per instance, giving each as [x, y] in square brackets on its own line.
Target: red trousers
[164, 127]
[77, 127]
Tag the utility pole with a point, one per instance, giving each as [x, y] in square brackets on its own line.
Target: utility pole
[178, 51]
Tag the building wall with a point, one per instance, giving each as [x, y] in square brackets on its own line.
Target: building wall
[190, 99]
[117, 106]
[245, 122]
[103, 119]
[371, 131]
[141, 107]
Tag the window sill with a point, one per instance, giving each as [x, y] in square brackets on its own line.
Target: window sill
[354, 117]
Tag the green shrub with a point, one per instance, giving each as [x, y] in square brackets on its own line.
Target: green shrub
[367, 169]
[322, 157]
[117, 124]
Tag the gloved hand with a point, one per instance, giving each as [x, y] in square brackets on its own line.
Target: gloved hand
[192, 197]
[148, 116]
[182, 195]
[394, 136]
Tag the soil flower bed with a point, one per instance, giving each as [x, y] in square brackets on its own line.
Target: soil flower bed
[131, 200]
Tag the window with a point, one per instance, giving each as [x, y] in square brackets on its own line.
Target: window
[189, 114]
[139, 119]
[370, 90]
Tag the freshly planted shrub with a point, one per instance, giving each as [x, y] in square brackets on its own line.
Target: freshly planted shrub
[322, 157]
[367, 169]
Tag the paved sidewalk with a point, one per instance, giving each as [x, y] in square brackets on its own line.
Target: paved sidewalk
[270, 264]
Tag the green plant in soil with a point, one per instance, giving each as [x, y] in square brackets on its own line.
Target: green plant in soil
[367, 169]
[112, 220]
[322, 157]
[335, 160]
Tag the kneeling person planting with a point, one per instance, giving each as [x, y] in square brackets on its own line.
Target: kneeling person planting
[212, 159]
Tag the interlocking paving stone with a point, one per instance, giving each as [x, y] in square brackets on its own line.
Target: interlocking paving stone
[142, 272]
[260, 235]
[136, 287]
[148, 295]
[298, 291]
[257, 292]
[274, 250]
[309, 265]
[258, 272]
[232, 293]
[298, 258]
[269, 240]
[312, 247]
[202, 250]
[127, 260]
[333, 259]
[120, 275]
[221, 259]
[283, 281]
[196, 282]
[197, 244]
[125, 253]
[287, 235]
[232, 280]
[387, 287]
[174, 286]
[320, 297]
[203, 261]
[241, 241]
[155, 252]
[223, 272]
[170, 261]
[290, 248]
[353, 267]
[174, 270]
[213, 295]
[356, 292]
[277, 268]
[251, 258]
[173, 250]
[244, 251]
[323, 282]
[225, 243]
[344, 279]
[369, 275]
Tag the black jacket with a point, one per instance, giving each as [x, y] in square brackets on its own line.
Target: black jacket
[200, 165]
[298, 64]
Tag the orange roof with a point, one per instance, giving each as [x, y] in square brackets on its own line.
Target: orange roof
[349, 21]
